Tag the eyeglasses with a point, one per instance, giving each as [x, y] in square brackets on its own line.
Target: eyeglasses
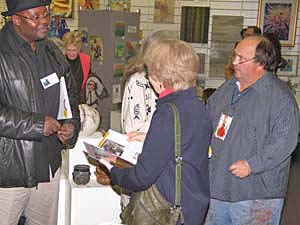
[237, 59]
[34, 18]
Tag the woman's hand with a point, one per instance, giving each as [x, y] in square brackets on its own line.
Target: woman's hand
[136, 136]
[106, 161]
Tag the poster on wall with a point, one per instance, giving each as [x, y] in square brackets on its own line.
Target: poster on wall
[291, 67]
[131, 29]
[62, 8]
[225, 33]
[118, 69]
[116, 93]
[119, 50]
[120, 5]
[279, 17]
[95, 90]
[164, 11]
[96, 48]
[88, 4]
[132, 49]
[119, 28]
[84, 34]
[194, 24]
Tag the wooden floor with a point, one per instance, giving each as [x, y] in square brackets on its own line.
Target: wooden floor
[291, 210]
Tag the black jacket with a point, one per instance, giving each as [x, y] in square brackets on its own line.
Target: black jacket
[25, 153]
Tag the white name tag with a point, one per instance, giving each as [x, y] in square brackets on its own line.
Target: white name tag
[49, 80]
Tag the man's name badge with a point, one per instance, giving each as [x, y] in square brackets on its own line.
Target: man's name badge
[49, 80]
[223, 126]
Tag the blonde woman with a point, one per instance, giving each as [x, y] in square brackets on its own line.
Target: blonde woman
[80, 62]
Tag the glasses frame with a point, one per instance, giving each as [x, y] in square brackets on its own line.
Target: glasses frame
[35, 18]
[242, 61]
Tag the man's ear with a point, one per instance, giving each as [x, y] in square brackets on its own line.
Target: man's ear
[260, 68]
[16, 20]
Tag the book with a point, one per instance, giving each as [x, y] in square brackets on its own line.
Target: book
[64, 110]
[116, 144]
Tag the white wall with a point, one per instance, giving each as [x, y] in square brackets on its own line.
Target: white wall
[245, 8]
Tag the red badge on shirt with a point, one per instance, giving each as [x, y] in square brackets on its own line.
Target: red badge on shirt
[223, 126]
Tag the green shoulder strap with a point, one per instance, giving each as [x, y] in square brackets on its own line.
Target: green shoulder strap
[178, 158]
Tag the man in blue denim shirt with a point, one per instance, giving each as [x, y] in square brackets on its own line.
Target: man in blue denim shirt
[255, 121]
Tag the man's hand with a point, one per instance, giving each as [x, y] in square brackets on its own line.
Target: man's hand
[240, 169]
[66, 132]
[51, 126]
[136, 136]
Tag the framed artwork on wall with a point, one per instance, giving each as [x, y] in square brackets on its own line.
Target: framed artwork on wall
[194, 24]
[62, 8]
[120, 5]
[164, 11]
[291, 68]
[88, 4]
[224, 34]
[279, 17]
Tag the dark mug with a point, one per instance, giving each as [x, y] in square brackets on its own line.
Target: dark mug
[81, 174]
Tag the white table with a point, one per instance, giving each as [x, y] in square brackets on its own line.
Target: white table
[91, 204]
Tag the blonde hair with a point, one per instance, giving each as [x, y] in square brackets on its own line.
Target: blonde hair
[72, 38]
[137, 63]
[174, 63]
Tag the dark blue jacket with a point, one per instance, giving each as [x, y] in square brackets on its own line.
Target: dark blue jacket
[156, 164]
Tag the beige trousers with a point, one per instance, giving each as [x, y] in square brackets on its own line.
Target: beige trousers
[39, 204]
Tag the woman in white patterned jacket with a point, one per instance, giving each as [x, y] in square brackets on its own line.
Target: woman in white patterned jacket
[138, 104]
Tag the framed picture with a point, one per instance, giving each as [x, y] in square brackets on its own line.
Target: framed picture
[194, 24]
[164, 11]
[291, 68]
[279, 17]
[62, 8]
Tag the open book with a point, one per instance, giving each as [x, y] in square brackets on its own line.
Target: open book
[115, 143]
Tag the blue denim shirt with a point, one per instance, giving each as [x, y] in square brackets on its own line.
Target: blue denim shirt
[263, 131]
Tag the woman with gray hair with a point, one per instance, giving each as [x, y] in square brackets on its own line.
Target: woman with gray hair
[172, 68]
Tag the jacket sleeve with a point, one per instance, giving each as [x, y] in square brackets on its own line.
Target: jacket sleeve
[155, 157]
[282, 139]
[18, 124]
[134, 114]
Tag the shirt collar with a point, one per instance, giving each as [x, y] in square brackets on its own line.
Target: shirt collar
[166, 92]
[260, 85]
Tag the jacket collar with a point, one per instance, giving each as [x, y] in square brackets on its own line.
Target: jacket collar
[184, 94]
